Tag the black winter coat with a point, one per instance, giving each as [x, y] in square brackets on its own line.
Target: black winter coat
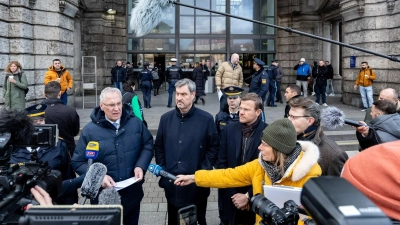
[184, 144]
[230, 156]
[199, 79]
[118, 74]
[66, 118]
[121, 151]
[320, 73]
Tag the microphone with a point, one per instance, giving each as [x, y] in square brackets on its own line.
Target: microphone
[157, 170]
[92, 150]
[332, 118]
[109, 196]
[92, 182]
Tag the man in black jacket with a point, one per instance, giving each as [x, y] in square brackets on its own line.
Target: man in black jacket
[129, 72]
[64, 116]
[239, 145]
[186, 141]
[292, 91]
[330, 79]
[321, 76]
[118, 75]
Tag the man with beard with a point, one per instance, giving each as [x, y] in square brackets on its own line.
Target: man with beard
[239, 145]
[186, 142]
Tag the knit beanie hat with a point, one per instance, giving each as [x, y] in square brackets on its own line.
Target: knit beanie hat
[281, 135]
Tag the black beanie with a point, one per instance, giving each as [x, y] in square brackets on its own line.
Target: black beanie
[280, 135]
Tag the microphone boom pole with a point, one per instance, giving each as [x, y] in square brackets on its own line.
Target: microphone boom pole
[290, 30]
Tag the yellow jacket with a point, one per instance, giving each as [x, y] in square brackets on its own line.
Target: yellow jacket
[65, 79]
[364, 81]
[226, 76]
[252, 173]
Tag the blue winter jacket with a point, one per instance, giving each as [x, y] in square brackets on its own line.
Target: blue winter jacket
[303, 71]
[120, 152]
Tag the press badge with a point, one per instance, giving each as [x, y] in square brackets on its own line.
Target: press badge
[263, 81]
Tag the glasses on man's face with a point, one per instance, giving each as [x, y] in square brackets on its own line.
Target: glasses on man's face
[296, 117]
[112, 105]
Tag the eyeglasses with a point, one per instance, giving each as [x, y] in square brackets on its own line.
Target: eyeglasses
[296, 117]
[112, 105]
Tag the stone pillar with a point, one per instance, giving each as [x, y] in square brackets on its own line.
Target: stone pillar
[335, 58]
[77, 56]
[4, 43]
[326, 45]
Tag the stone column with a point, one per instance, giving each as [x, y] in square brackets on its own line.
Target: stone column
[335, 58]
[326, 32]
[77, 55]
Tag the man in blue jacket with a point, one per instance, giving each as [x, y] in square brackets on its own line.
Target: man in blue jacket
[125, 148]
[303, 74]
[186, 141]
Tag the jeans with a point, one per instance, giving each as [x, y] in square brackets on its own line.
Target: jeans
[367, 92]
[278, 91]
[272, 93]
[146, 89]
[171, 90]
[118, 85]
[64, 98]
[304, 84]
[330, 86]
[320, 90]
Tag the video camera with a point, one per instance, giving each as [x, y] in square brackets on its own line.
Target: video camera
[17, 180]
[328, 200]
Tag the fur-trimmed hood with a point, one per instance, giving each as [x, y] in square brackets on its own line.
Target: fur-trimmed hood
[302, 165]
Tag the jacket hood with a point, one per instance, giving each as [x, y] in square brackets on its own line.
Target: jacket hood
[9, 73]
[52, 68]
[388, 123]
[302, 165]
[98, 117]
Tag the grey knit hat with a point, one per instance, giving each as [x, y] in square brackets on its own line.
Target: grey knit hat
[280, 135]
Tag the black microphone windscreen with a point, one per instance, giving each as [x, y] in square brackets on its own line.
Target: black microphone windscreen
[146, 15]
[93, 179]
[332, 118]
[109, 196]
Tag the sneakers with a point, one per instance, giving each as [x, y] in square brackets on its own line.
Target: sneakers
[313, 94]
[325, 104]
[332, 94]
[364, 109]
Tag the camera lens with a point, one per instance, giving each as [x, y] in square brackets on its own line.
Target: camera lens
[268, 211]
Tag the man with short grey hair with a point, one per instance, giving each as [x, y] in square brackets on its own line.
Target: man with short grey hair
[126, 148]
[187, 141]
[305, 116]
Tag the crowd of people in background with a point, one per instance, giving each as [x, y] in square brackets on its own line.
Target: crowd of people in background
[235, 151]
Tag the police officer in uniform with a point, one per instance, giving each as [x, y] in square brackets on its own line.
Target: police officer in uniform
[172, 74]
[147, 84]
[230, 113]
[260, 81]
[58, 157]
[272, 73]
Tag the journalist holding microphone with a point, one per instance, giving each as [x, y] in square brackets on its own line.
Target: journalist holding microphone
[125, 148]
[282, 161]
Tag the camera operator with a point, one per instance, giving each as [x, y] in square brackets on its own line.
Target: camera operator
[58, 157]
[282, 161]
[380, 184]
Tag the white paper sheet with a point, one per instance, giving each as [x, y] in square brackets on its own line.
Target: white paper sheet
[125, 183]
[219, 94]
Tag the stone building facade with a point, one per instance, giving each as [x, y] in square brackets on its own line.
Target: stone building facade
[34, 32]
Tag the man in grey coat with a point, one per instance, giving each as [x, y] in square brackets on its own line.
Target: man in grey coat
[305, 116]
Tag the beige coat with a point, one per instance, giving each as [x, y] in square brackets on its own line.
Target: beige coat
[226, 76]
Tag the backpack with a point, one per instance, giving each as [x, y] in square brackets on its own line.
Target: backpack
[155, 74]
[19, 78]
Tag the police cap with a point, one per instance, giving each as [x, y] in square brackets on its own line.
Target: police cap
[233, 91]
[36, 110]
[274, 60]
[173, 60]
[146, 64]
[259, 62]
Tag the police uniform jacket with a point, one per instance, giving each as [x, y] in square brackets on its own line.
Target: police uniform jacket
[223, 118]
[231, 155]
[121, 151]
[260, 83]
[184, 144]
[173, 73]
[145, 75]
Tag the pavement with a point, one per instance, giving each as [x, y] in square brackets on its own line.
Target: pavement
[154, 204]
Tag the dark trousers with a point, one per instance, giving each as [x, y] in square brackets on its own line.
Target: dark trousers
[278, 91]
[272, 93]
[201, 213]
[171, 90]
[320, 91]
[64, 98]
[146, 89]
